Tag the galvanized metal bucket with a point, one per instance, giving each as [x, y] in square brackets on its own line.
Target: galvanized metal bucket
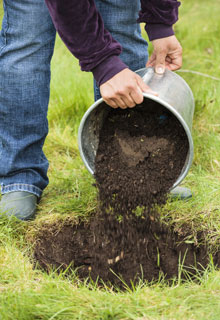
[174, 94]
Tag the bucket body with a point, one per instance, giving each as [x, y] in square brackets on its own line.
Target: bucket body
[174, 95]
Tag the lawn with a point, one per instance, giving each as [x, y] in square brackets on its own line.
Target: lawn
[29, 293]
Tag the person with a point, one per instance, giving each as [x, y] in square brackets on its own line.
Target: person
[106, 38]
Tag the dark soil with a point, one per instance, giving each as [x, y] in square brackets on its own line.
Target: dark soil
[148, 250]
[141, 154]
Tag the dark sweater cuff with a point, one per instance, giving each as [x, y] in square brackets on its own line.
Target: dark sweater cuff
[108, 69]
[158, 31]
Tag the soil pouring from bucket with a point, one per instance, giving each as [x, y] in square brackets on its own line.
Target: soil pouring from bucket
[140, 155]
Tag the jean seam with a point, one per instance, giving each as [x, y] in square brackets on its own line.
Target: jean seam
[7, 26]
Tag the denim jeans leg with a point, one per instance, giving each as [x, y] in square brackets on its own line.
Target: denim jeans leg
[120, 19]
[26, 47]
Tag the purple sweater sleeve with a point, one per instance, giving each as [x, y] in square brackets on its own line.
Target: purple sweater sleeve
[159, 15]
[81, 28]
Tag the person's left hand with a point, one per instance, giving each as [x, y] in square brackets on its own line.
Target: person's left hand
[167, 54]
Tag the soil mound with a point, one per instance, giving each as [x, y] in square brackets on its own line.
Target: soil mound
[146, 250]
[140, 155]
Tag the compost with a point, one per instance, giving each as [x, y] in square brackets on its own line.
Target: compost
[140, 155]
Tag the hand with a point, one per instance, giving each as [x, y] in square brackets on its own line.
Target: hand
[124, 90]
[167, 54]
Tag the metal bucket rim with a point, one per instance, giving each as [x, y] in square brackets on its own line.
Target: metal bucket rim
[81, 126]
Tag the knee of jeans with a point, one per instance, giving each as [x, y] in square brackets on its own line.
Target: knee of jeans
[26, 56]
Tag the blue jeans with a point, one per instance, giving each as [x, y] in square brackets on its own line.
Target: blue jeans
[26, 47]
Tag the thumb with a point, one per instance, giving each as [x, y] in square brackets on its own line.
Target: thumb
[160, 63]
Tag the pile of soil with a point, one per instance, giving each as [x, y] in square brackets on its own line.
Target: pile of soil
[140, 155]
[146, 251]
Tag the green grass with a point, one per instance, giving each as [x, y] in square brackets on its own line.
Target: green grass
[26, 293]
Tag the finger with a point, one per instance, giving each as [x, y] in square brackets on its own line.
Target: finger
[121, 103]
[151, 60]
[151, 63]
[111, 103]
[174, 62]
[137, 95]
[168, 59]
[160, 62]
[177, 63]
[173, 67]
[129, 101]
[133, 101]
[116, 102]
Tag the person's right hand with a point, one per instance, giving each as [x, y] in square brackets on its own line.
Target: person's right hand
[124, 90]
